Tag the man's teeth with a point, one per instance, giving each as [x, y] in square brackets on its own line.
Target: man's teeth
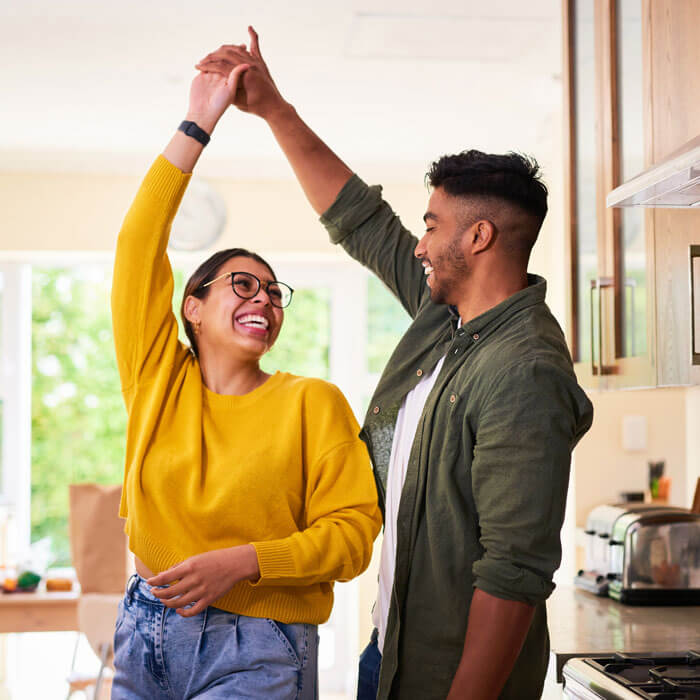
[428, 269]
[254, 320]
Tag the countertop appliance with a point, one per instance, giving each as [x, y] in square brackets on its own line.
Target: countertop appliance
[671, 676]
[642, 554]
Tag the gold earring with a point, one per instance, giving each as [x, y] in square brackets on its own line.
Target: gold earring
[197, 327]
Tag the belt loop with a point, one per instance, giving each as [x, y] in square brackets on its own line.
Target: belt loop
[131, 585]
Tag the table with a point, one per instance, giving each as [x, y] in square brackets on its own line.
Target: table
[40, 611]
[582, 624]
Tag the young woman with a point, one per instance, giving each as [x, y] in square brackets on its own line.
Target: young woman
[245, 494]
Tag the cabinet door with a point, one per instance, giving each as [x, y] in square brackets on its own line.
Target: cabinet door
[611, 300]
[631, 245]
[581, 187]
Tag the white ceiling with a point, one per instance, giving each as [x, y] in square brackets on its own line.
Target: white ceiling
[91, 85]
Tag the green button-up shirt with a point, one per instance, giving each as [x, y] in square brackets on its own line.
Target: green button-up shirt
[483, 500]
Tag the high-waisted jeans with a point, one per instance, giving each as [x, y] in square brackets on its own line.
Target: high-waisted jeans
[159, 655]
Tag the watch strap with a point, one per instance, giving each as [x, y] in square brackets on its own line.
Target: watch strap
[192, 130]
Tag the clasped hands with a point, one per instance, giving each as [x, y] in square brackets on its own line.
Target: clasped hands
[255, 91]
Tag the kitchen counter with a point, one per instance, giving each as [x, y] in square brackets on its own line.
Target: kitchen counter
[582, 624]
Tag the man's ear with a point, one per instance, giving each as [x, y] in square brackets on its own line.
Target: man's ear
[191, 309]
[483, 236]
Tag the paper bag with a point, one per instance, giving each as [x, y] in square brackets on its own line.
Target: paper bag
[97, 540]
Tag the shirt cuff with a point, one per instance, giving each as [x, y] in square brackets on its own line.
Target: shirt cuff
[506, 580]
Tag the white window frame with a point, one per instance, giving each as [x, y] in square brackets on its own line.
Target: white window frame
[15, 378]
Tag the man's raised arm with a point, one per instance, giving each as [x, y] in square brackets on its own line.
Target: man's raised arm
[320, 172]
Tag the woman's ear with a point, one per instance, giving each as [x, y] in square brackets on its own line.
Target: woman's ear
[191, 309]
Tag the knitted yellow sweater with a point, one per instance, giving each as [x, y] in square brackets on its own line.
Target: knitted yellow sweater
[280, 467]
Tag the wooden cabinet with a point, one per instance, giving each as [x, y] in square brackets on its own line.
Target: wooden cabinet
[629, 91]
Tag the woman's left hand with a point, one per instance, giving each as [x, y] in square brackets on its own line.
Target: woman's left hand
[203, 578]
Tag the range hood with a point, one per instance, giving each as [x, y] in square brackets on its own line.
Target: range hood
[675, 182]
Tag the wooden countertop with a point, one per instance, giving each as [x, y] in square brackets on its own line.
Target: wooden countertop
[582, 624]
[39, 611]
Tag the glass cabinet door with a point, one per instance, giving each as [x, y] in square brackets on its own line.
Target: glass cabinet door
[631, 275]
[583, 184]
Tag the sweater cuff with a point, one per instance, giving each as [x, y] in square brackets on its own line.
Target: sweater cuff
[355, 203]
[165, 181]
[274, 560]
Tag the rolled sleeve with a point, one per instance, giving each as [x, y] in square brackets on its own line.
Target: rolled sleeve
[520, 474]
[355, 204]
[367, 228]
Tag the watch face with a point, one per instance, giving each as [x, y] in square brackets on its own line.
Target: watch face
[200, 219]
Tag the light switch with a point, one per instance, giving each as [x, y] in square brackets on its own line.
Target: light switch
[634, 433]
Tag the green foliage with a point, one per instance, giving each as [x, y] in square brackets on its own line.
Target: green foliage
[386, 323]
[303, 345]
[78, 416]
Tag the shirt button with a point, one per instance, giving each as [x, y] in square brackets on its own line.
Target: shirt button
[456, 350]
[476, 336]
[419, 373]
[453, 398]
[375, 410]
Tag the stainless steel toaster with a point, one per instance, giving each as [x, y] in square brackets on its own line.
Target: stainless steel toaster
[655, 557]
[642, 553]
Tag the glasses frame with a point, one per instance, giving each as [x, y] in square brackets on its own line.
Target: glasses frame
[261, 284]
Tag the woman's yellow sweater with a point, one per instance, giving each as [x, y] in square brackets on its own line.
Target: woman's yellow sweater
[281, 467]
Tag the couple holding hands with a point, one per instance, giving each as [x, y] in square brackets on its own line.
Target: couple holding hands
[246, 495]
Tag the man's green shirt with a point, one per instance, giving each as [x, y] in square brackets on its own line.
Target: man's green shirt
[485, 490]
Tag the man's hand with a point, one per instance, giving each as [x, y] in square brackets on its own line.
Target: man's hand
[202, 579]
[257, 93]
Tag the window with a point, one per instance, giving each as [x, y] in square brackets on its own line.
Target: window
[78, 415]
[60, 394]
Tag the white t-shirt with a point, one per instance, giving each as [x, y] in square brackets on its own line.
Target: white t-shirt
[404, 434]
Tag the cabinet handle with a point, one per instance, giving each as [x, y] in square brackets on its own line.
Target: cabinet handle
[594, 286]
[600, 283]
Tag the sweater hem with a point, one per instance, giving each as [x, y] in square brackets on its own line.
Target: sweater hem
[287, 604]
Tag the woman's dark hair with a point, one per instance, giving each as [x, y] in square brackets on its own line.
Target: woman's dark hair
[206, 272]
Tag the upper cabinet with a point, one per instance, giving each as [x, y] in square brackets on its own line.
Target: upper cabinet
[629, 300]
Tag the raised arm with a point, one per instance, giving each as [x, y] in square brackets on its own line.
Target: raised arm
[320, 172]
[145, 329]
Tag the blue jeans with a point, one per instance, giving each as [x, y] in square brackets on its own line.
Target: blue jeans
[159, 655]
[368, 671]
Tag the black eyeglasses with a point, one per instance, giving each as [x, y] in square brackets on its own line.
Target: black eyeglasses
[246, 285]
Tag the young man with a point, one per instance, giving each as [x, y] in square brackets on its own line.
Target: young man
[472, 424]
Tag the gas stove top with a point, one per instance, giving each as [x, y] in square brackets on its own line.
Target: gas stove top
[673, 676]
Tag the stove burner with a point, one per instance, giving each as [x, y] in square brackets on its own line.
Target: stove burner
[657, 676]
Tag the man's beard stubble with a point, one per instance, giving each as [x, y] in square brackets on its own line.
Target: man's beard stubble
[451, 269]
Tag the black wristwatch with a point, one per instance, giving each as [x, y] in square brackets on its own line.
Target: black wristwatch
[192, 130]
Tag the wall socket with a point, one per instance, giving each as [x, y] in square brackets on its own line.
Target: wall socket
[634, 433]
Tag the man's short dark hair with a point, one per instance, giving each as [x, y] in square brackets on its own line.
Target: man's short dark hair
[511, 177]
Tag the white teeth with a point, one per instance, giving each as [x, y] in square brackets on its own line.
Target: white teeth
[428, 269]
[253, 320]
